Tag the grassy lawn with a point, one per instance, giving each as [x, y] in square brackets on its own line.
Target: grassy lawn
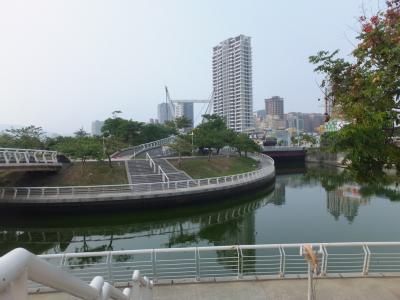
[94, 173]
[217, 166]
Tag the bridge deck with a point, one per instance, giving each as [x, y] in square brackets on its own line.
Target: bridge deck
[349, 288]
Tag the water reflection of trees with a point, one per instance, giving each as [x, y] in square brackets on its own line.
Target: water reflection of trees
[226, 221]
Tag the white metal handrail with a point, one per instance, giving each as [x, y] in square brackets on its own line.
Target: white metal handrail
[165, 177]
[283, 148]
[14, 156]
[19, 266]
[235, 262]
[70, 192]
[151, 162]
[136, 150]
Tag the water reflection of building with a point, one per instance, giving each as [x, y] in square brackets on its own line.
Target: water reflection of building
[279, 194]
[345, 201]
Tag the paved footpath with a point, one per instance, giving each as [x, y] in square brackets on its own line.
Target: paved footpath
[343, 289]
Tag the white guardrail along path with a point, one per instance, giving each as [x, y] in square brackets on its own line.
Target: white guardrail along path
[192, 264]
[235, 262]
[70, 192]
[19, 266]
[136, 150]
[16, 157]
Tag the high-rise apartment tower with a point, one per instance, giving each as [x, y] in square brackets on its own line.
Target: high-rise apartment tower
[232, 82]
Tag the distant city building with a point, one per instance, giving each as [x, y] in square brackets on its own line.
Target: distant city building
[261, 114]
[96, 127]
[153, 121]
[304, 122]
[274, 113]
[164, 113]
[274, 106]
[185, 110]
[232, 82]
[295, 122]
[312, 121]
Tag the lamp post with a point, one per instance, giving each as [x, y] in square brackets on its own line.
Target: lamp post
[104, 148]
[192, 134]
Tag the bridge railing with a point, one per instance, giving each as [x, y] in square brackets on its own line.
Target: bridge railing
[234, 262]
[19, 266]
[136, 150]
[71, 192]
[12, 156]
[283, 148]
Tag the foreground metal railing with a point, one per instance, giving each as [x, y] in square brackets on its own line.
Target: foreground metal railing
[19, 266]
[15, 157]
[71, 192]
[136, 150]
[234, 262]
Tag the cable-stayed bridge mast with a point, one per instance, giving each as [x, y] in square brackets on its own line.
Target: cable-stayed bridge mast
[177, 106]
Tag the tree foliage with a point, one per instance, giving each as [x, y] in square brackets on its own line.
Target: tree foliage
[134, 133]
[243, 143]
[182, 145]
[212, 134]
[81, 147]
[183, 122]
[366, 90]
[30, 137]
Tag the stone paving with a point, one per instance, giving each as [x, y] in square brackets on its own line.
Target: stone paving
[286, 289]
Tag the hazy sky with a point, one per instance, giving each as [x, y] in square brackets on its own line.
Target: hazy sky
[66, 63]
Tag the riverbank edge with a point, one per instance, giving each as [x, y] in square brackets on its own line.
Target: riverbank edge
[143, 201]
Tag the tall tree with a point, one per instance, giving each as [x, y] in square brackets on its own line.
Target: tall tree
[212, 134]
[183, 122]
[30, 137]
[243, 143]
[367, 92]
[181, 144]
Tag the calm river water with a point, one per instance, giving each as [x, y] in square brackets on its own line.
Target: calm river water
[310, 204]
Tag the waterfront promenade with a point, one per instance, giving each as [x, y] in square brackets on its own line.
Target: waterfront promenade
[327, 289]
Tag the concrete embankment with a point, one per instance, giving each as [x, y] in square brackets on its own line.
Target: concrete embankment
[170, 194]
[324, 157]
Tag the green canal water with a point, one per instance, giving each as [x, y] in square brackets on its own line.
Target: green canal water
[306, 204]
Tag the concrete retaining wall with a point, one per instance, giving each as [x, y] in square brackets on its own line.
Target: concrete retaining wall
[143, 201]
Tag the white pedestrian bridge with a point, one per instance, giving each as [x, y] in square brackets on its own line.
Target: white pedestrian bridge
[364, 270]
[28, 159]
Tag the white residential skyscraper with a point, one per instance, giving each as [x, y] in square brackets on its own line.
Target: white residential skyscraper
[232, 82]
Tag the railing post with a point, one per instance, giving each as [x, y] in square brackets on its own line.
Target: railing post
[153, 263]
[6, 157]
[282, 261]
[323, 253]
[239, 262]
[109, 263]
[196, 255]
[367, 258]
